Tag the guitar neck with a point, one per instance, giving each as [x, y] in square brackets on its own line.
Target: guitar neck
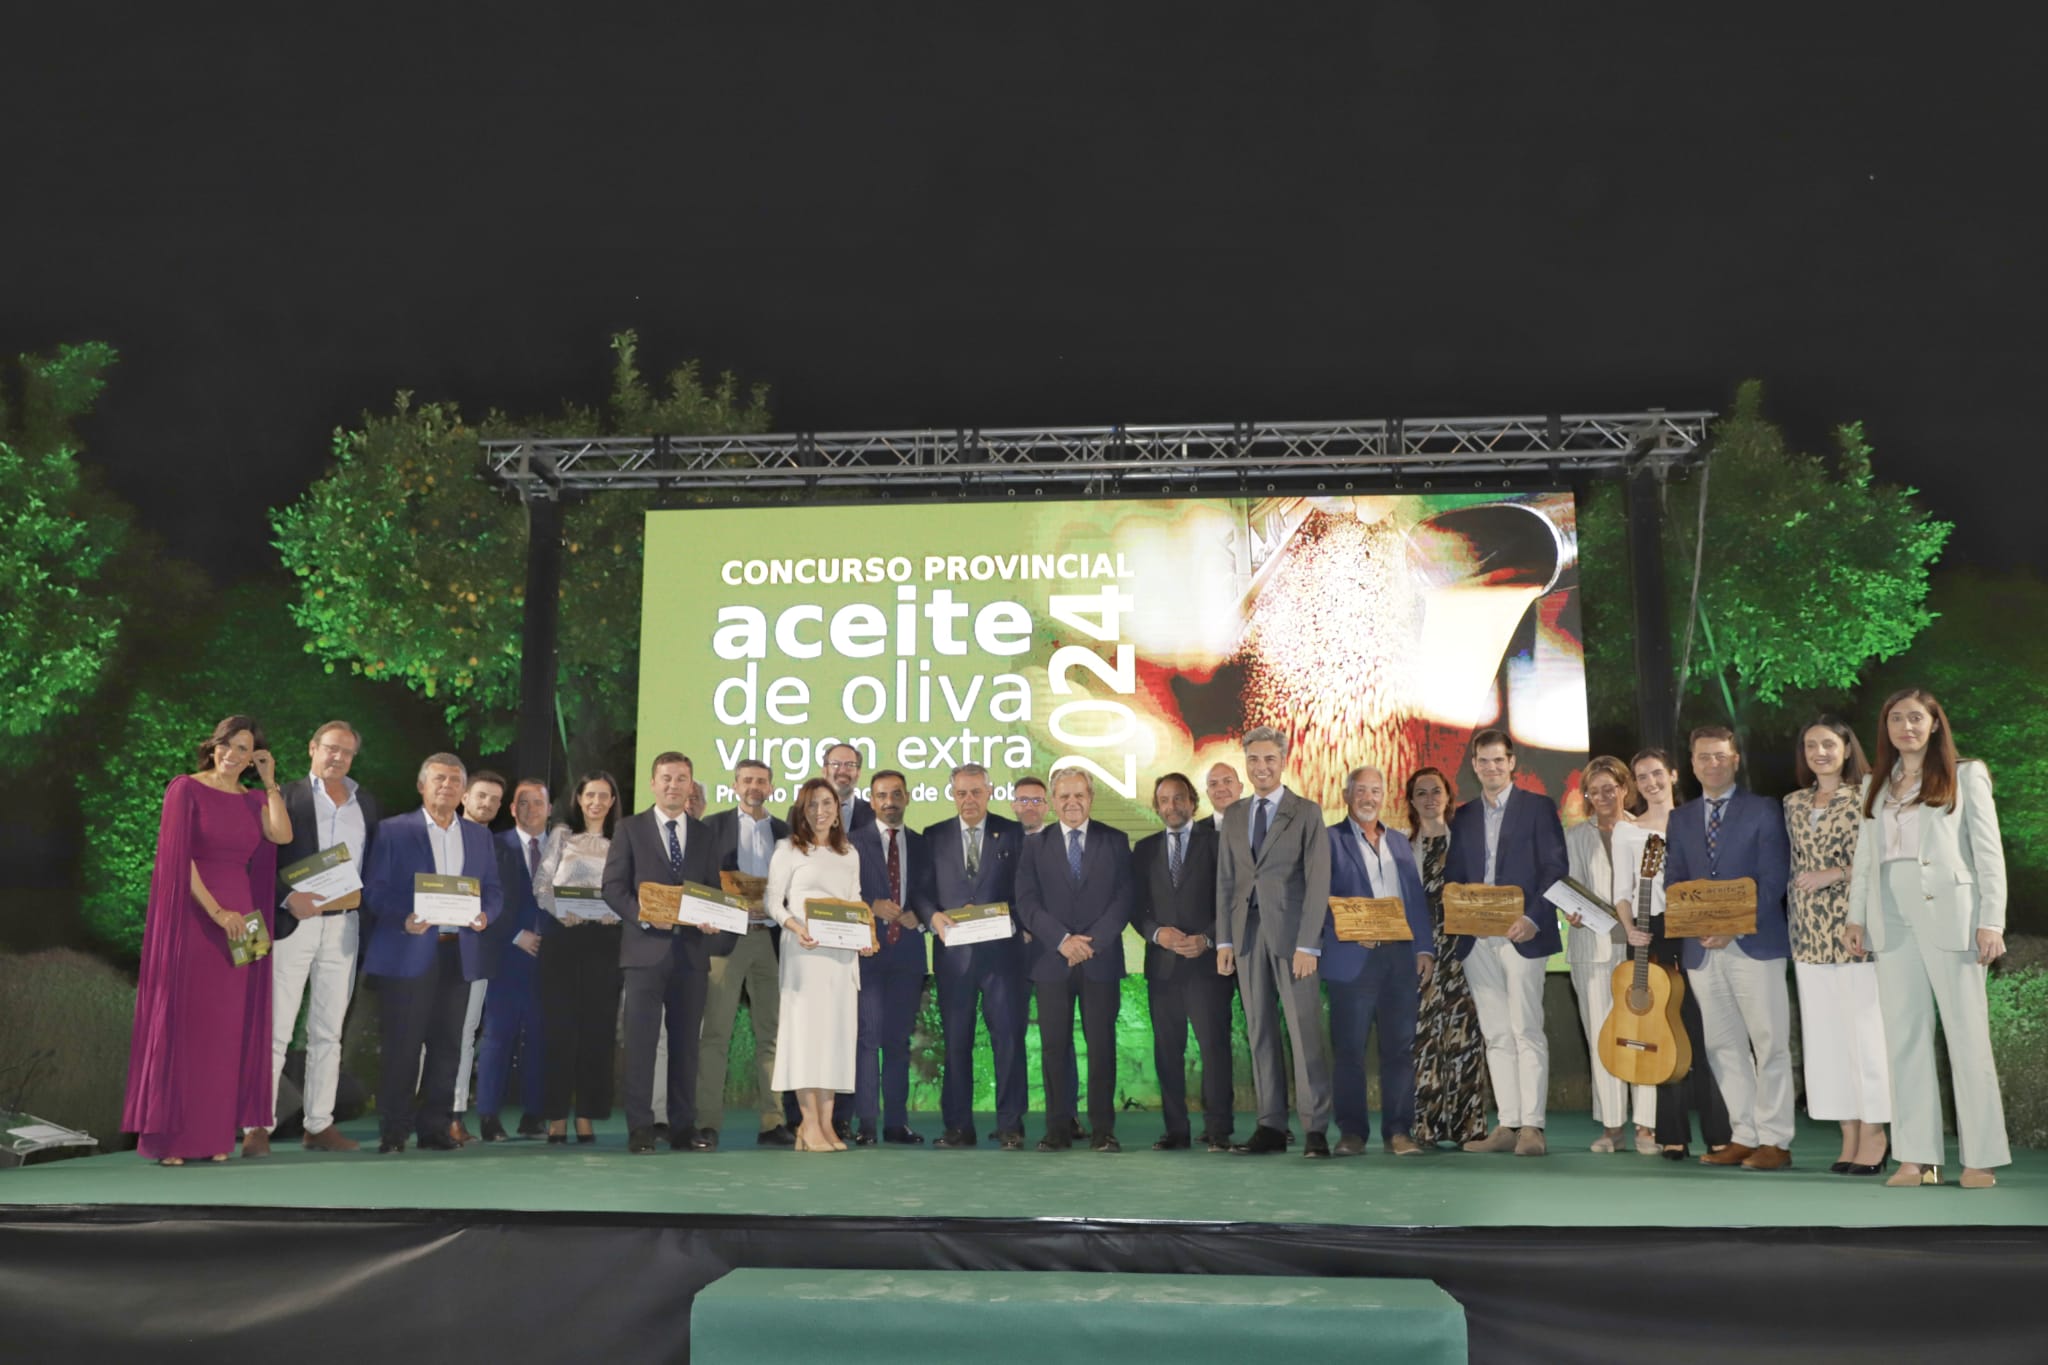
[1644, 887]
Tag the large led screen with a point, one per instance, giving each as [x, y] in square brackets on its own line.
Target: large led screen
[1131, 638]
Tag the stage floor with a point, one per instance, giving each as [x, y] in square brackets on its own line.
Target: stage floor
[1571, 1188]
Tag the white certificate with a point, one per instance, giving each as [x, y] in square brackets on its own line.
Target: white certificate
[1574, 899]
[581, 902]
[708, 905]
[327, 876]
[979, 924]
[840, 924]
[451, 902]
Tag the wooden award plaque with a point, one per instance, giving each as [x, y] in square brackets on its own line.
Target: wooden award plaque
[1370, 919]
[661, 906]
[1479, 910]
[1706, 909]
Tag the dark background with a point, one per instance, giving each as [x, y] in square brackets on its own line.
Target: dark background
[954, 216]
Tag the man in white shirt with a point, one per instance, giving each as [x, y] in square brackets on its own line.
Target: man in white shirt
[745, 837]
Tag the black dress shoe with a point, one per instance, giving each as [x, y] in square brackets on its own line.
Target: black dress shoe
[1171, 1143]
[1049, 1143]
[1217, 1142]
[954, 1138]
[778, 1136]
[640, 1141]
[908, 1137]
[1676, 1153]
[1317, 1145]
[710, 1135]
[1105, 1142]
[531, 1125]
[1011, 1142]
[493, 1131]
[660, 1130]
[390, 1145]
[842, 1129]
[867, 1136]
[438, 1142]
[696, 1141]
[1263, 1141]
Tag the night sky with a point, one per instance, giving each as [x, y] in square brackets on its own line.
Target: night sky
[949, 218]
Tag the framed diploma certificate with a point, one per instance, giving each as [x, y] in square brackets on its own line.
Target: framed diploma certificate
[1575, 899]
[1704, 909]
[330, 876]
[451, 902]
[1370, 919]
[1480, 910]
[580, 902]
[701, 905]
[979, 924]
[840, 924]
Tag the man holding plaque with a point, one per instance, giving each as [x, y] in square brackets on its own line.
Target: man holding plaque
[1508, 837]
[745, 838]
[317, 959]
[1273, 888]
[1074, 897]
[1739, 980]
[666, 966]
[893, 863]
[974, 862]
[420, 869]
[1377, 948]
[1173, 881]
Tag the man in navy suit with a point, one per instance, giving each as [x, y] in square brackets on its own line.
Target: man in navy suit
[1510, 837]
[842, 770]
[1745, 1012]
[893, 863]
[1374, 983]
[422, 972]
[974, 862]
[512, 1008]
[1173, 880]
[1074, 895]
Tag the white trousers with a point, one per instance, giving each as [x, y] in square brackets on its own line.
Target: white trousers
[1507, 992]
[472, 1020]
[1842, 1030]
[317, 960]
[1593, 982]
[1746, 1015]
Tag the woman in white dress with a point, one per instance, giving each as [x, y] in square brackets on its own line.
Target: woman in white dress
[814, 1045]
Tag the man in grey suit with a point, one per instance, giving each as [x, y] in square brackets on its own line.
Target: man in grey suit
[1273, 894]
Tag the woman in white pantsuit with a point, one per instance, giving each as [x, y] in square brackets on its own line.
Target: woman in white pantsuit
[814, 1044]
[1609, 792]
[1927, 896]
[1841, 1023]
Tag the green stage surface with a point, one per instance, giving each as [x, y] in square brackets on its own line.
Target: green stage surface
[1571, 1187]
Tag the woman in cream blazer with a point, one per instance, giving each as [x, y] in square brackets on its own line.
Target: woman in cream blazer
[1927, 896]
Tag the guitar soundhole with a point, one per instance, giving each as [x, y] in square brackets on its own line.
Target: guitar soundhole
[1639, 1000]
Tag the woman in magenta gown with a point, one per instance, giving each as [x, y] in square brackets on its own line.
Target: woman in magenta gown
[199, 1066]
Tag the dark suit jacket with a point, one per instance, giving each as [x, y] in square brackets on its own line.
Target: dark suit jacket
[305, 842]
[522, 912]
[948, 887]
[1531, 854]
[1753, 843]
[1190, 907]
[401, 849]
[724, 829]
[1051, 904]
[1344, 961]
[907, 953]
[639, 854]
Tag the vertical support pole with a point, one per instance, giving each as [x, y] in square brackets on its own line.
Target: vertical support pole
[1656, 689]
[535, 748]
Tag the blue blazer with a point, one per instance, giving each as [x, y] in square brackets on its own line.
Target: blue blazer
[1344, 961]
[1752, 843]
[1051, 905]
[907, 953]
[522, 912]
[1531, 855]
[400, 851]
[949, 887]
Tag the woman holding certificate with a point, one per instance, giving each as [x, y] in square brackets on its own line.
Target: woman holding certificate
[814, 1045]
[1927, 895]
[199, 1063]
[579, 962]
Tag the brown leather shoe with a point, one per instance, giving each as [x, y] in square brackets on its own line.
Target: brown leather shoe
[256, 1142]
[1531, 1143]
[329, 1139]
[1767, 1158]
[1400, 1144]
[1734, 1154]
[1501, 1139]
[459, 1135]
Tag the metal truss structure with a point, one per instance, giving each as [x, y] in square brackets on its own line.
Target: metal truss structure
[1128, 459]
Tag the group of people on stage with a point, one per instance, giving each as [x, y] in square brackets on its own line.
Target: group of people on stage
[1884, 884]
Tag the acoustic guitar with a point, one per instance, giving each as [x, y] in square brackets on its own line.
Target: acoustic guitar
[1643, 1041]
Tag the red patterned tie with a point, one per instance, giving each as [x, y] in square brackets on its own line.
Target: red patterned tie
[895, 885]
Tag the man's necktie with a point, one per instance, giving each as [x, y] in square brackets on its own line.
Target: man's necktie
[1074, 855]
[1174, 855]
[675, 853]
[1714, 836]
[1258, 826]
[895, 884]
[974, 851]
[533, 857]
